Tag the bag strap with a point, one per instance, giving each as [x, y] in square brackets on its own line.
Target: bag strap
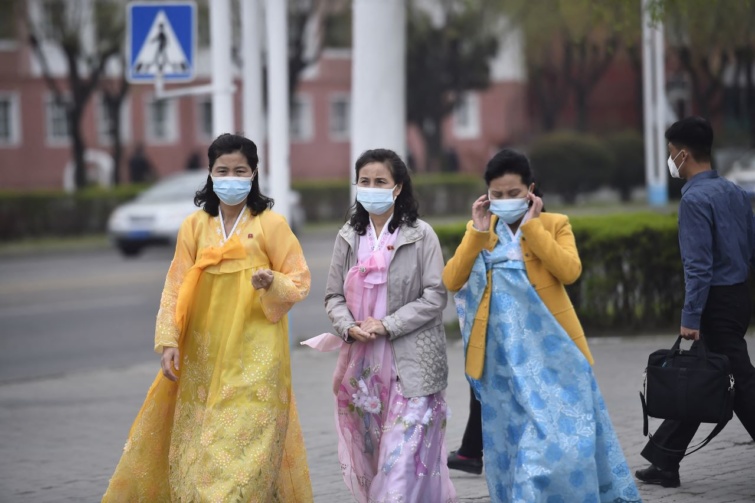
[684, 452]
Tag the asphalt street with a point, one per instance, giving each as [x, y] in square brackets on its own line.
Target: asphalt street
[93, 309]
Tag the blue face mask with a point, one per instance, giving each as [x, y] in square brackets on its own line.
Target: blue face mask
[232, 190]
[376, 201]
[509, 210]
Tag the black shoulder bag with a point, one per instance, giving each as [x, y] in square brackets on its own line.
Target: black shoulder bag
[692, 385]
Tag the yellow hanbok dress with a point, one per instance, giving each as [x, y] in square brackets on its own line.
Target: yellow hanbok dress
[228, 430]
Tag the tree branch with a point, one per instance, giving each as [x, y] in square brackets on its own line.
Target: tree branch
[52, 84]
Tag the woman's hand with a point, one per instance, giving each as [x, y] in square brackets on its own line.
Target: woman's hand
[170, 356]
[358, 334]
[262, 279]
[536, 208]
[374, 327]
[480, 213]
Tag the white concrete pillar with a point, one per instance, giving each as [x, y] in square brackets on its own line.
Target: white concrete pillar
[276, 15]
[251, 45]
[378, 78]
[654, 108]
[222, 69]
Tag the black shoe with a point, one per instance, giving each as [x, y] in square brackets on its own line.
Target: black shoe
[654, 475]
[469, 465]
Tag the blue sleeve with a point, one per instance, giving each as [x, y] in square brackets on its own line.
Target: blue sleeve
[696, 245]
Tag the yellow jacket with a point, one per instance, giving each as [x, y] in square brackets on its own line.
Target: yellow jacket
[552, 261]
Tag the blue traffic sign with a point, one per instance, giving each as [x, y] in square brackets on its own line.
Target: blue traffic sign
[161, 40]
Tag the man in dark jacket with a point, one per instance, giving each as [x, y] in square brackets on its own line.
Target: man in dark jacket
[717, 243]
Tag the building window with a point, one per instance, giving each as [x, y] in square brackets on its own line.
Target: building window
[10, 118]
[162, 121]
[53, 16]
[340, 110]
[466, 117]
[57, 121]
[8, 24]
[204, 114]
[301, 128]
[103, 121]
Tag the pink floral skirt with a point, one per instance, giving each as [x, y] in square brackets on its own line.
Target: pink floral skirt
[391, 448]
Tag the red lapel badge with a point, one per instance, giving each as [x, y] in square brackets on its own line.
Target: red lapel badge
[249, 236]
[390, 247]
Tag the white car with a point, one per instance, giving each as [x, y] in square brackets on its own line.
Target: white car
[155, 215]
[742, 173]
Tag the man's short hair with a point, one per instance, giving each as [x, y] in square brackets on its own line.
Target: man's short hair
[694, 134]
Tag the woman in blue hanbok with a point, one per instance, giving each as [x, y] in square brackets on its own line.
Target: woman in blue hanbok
[547, 436]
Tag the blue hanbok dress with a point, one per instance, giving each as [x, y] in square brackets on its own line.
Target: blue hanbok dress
[547, 436]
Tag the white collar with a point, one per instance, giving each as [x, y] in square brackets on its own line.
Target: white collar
[235, 224]
[371, 230]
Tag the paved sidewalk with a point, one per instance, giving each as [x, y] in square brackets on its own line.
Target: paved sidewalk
[61, 438]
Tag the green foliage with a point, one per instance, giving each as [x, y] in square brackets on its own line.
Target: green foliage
[438, 194]
[628, 150]
[53, 213]
[47, 213]
[569, 163]
[632, 278]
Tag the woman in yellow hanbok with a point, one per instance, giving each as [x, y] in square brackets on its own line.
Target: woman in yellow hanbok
[219, 422]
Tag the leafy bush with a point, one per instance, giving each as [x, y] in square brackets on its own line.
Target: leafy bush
[632, 277]
[438, 194]
[569, 163]
[47, 213]
[628, 151]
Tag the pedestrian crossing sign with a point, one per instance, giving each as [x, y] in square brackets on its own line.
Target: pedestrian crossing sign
[161, 40]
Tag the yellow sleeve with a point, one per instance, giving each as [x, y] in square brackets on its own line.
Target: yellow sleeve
[558, 253]
[167, 331]
[457, 270]
[291, 277]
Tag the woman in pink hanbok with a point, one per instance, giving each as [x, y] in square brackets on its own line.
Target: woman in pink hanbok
[385, 297]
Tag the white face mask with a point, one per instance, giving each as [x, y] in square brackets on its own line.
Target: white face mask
[672, 169]
[376, 201]
[509, 210]
[232, 190]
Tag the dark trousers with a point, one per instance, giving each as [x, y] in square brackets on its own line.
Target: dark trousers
[471, 443]
[723, 326]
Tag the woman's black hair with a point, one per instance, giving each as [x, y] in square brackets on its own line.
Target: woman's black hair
[406, 208]
[509, 161]
[227, 144]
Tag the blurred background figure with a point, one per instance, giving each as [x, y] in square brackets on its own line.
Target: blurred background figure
[140, 169]
[194, 161]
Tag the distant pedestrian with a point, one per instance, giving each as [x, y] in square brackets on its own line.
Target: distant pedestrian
[385, 298]
[193, 162]
[546, 432]
[220, 421]
[717, 243]
[139, 168]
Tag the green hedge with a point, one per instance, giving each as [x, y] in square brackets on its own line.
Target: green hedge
[438, 195]
[632, 279]
[38, 214]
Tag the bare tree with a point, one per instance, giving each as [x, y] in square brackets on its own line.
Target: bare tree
[111, 28]
[443, 61]
[64, 26]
